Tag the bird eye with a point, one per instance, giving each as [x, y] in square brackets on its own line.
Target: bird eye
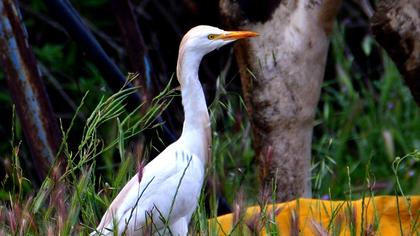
[211, 36]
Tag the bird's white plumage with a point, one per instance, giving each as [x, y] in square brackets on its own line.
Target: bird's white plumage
[171, 183]
[173, 169]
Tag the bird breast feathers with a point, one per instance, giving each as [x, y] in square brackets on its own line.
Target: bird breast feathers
[171, 170]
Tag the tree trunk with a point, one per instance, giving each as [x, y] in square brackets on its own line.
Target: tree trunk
[27, 91]
[135, 48]
[281, 73]
[396, 26]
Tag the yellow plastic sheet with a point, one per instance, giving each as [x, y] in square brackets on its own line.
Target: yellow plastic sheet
[384, 215]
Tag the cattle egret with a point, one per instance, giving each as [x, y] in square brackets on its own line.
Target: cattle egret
[166, 195]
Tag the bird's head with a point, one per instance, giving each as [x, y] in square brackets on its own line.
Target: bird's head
[204, 39]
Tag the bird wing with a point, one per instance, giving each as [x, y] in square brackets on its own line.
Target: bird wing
[161, 173]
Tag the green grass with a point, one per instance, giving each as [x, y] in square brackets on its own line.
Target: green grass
[365, 144]
[365, 127]
[70, 204]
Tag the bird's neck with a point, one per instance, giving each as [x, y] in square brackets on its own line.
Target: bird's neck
[197, 123]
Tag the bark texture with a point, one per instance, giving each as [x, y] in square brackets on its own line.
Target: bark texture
[281, 73]
[396, 26]
[28, 91]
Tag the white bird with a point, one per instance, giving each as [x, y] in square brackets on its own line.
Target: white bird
[167, 194]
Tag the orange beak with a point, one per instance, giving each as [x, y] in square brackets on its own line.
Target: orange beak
[234, 35]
